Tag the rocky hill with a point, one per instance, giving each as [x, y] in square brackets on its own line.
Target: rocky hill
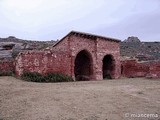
[11, 46]
[143, 51]
[132, 39]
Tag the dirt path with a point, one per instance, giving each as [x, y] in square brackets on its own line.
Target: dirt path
[91, 100]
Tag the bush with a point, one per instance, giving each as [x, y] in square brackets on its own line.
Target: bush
[51, 77]
[34, 77]
[6, 73]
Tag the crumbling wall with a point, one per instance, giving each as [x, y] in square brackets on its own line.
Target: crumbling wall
[132, 68]
[7, 66]
[61, 57]
[154, 70]
[43, 62]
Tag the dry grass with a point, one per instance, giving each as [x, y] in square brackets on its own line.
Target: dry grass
[89, 100]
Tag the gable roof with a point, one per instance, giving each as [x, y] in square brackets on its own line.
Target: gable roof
[88, 35]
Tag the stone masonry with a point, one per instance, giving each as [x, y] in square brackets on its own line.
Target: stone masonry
[80, 55]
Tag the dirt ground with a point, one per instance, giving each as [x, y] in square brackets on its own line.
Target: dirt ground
[123, 99]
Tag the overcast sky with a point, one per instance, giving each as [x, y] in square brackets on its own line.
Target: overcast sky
[52, 19]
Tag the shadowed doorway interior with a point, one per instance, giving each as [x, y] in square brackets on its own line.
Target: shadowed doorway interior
[108, 67]
[83, 66]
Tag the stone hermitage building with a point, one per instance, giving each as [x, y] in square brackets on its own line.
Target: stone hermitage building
[83, 56]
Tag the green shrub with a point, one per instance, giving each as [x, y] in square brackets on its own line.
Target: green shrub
[6, 73]
[32, 76]
[51, 77]
[56, 77]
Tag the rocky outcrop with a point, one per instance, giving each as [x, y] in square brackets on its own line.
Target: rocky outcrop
[11, 46]
[132, 39]
[143, 51]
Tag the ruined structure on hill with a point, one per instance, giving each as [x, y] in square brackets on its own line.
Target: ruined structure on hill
[89, 57]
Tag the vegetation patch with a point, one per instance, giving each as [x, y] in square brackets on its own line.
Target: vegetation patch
[6, 73]
[50, 77]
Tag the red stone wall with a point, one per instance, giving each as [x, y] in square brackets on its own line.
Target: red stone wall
[63, 45]
[108, 48]
[61, 58]
[75, 44]
[43, 62]
[7, 65]
[97, 48]
[132, 68]
[78, 44]
[154, 70]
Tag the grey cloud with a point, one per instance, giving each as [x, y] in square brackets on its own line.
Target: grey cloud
[144, 26]
[116, 18]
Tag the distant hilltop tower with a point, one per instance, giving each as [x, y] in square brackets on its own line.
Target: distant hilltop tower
[132, 39]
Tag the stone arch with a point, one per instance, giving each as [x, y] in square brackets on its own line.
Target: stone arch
[108, 67]
[83, 66]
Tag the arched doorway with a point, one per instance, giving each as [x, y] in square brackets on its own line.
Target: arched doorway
[83, 68]
[108, 67]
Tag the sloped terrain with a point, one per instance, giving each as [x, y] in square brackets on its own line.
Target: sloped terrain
[148, 50]
[11, 46]
[134, 48]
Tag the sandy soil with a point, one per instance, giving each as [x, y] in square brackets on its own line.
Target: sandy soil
[88, 100]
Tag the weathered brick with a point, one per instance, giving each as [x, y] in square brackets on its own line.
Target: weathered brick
[7, 65]
[62, 56]
[133, 68]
